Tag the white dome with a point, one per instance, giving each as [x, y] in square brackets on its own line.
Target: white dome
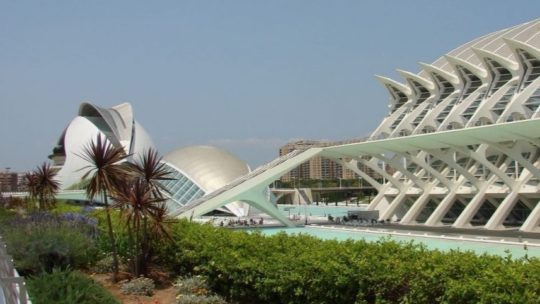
[210, 167]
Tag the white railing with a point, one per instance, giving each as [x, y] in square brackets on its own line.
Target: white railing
[23, 194]
[12, 286]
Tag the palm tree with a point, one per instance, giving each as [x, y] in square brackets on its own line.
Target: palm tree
[152, 170]
[142, 201]
[104, 173]
[139, 207]
[31, 184]
[44, 185]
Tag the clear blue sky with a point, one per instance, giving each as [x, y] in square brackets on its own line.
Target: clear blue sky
[247, 76]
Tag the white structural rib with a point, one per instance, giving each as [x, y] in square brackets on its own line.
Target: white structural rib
[250, 188]
[460, 144]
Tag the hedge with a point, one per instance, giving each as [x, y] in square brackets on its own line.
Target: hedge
[249, 267]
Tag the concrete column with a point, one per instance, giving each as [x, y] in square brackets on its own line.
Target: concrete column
[436, 217]
[396, 202]
[500, 214]
[532, 221]
[353, 166]
[381, 204]
[416, 208]
[258, 200]
[464, 219]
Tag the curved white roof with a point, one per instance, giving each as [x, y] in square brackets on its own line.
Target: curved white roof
[210, 167]
[526, 33]
[116, 124]
[118, 119]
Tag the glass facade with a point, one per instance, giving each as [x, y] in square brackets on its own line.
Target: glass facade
[181, 189]
[531, 66]
[472, 82]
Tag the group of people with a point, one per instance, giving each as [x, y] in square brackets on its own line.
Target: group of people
[241, 222]
[345, 219]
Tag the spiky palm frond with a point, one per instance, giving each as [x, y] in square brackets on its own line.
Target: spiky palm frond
[45, 185]
[150, 168]
[159, 227]
[143, 214]
[104, 172]
[105, 169]
[137, 201]
[31, 184]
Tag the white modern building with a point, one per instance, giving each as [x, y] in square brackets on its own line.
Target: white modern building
[117, 124]
[462, 137]
[196, 170]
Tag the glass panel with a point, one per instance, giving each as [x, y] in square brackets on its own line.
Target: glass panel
[500, 106]
[181, 190]
[440, 118]
[534, 101]
[472, 82]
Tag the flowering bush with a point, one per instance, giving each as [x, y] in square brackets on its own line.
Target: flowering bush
[192, 285]
[195, 290]
[42, 241]
[104, 265]
[139, 286]
[67, 287]
[197, 299]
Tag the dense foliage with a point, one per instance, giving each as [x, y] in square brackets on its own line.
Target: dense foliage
[252, 268]
[195, 290]
[42, 241]
[67, 287]
[139, 286]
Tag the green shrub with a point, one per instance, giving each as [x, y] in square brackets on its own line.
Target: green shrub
[41, 241]
[139, 286]
[66, 207]
[195, 290]
[67, 287]
[6, 214]
[195, 285]
[197, 299]
[253, 268]
[120, 233]
[104, 265]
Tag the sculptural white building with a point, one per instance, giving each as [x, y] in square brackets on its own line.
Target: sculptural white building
[196, 170]
[461, 140]
[117, 124]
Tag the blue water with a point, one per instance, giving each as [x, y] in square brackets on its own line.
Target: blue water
[321, 210]
[444, 245]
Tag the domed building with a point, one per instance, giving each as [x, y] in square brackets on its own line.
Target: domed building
[198, 170]
[117, 124]
[459, 147]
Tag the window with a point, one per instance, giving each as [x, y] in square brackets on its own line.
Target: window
[398, 120]
[420, 116]
[445, 87]
[500, 106]
[420, 91]
[499, 75]
[533, 101]
[469, 112]
[471, 82]
[181, 189]
[399, 97]
[531, 66]
[442, 116]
